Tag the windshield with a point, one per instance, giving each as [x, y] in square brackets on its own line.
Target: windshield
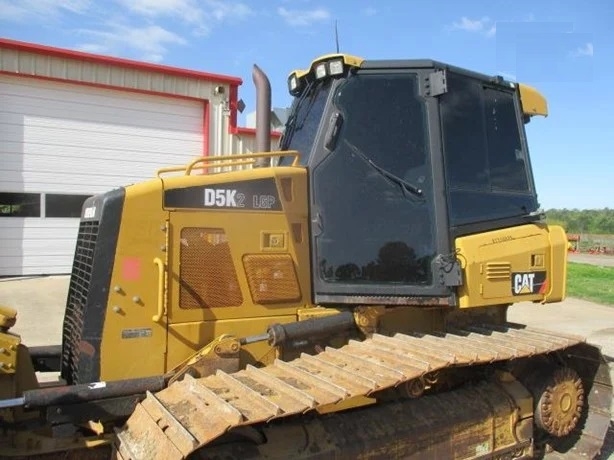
[304, 120]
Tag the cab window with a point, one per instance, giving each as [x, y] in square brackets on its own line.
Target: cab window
[486, 165]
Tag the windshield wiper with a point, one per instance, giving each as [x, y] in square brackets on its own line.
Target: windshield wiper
[292, 124]
[403, 184]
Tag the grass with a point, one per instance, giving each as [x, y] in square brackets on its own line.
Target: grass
[591, 282]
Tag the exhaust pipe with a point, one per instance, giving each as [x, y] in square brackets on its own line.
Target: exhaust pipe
[263, 115]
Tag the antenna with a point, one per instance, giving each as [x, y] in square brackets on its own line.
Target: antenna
[336, 36]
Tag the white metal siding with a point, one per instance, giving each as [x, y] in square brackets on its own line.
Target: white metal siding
[67, 138]
[94, 71]
[32, 246]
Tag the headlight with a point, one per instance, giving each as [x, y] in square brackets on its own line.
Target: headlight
[292, 83]
[335, 67]
[321, 70]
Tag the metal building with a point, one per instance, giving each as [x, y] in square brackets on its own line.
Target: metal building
[75, 124]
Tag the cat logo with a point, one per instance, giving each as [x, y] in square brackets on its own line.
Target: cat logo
[90, 212]
[529, 283]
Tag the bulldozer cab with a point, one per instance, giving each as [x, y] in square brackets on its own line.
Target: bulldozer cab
[403, 157]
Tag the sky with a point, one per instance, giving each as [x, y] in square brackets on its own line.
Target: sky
[564, 48]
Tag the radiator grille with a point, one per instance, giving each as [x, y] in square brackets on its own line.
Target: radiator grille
[77, 297]
[207, 274]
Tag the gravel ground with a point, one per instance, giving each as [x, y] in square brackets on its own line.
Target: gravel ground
[593, 259]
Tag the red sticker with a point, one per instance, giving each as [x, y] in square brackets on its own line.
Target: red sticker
[131, 268]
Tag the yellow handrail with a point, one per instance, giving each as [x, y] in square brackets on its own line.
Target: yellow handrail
[184, 168]
[158, 262]
[231, 160]
[195, 165]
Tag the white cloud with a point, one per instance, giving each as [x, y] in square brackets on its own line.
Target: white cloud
[144, 29]
[12, 12]
[369, 11]
[302, 18]
[93, 48]
[484, 26]
[583, 51]
[222, 10]
[152, 57]
[471, 25]
[25, 10]
[159, 7]
[148, 43]
[201, 15]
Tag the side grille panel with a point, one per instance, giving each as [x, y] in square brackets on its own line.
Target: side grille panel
[207, 273]
[77, 298]
[271, 278]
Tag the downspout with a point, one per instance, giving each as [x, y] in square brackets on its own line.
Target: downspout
[263, 115]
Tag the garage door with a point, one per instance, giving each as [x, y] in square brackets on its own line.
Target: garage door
[60, 143]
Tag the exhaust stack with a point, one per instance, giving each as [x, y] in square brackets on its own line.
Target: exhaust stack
[263, 114]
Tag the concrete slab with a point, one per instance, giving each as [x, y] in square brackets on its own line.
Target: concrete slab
[573, 316]
[40, 306]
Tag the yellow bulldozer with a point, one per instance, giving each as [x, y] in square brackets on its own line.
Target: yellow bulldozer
[344, 296]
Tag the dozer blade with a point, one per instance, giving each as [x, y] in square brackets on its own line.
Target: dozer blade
[193, 413]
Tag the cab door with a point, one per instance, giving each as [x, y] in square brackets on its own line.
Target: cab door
[373, 211]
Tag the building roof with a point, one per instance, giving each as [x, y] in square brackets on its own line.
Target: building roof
[6, 43]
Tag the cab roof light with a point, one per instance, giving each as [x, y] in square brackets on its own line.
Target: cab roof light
[320, 70]
[348, 59]
[335, 67]
[293, 84]
[296, 81]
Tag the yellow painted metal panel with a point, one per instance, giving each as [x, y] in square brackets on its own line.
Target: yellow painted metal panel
[533, 102]
[133, 344]
[517, 264]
